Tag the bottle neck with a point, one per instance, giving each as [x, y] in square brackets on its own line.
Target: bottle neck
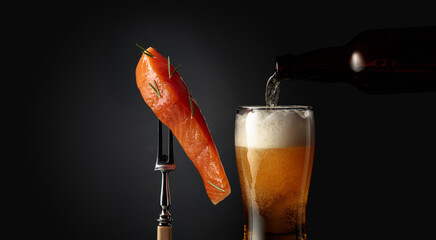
[327, 65]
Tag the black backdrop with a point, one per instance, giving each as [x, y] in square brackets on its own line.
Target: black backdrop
[91, 138]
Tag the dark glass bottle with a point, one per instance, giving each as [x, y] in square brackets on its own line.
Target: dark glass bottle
[375, 61]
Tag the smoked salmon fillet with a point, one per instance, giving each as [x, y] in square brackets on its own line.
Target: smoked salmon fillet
[165, 92]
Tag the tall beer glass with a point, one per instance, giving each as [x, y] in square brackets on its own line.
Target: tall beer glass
[274, 154]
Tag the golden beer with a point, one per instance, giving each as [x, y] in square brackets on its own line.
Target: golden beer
[274, 154]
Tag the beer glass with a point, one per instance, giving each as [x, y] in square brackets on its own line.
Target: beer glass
[274, 153]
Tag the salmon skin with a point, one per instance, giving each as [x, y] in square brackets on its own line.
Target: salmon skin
[170, 100]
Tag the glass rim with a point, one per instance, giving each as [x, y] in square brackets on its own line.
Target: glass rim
[280, 107]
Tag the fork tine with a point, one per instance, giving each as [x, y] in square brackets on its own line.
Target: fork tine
[170, 148]
[159, 142]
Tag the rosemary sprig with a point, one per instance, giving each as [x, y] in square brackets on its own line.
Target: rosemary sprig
[145, 51]
[169, 68]
[192, 106]
[216, 186]
[155, 88]
[175, 70]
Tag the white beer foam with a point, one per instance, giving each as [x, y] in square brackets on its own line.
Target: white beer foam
[273, 128]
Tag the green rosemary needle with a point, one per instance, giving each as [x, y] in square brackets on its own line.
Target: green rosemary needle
[192, 106]
[216, 186]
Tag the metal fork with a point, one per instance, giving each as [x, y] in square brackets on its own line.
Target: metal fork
[165, 164]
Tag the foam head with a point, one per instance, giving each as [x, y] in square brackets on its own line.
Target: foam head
[274, 128]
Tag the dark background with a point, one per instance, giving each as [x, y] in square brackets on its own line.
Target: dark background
[91, 138]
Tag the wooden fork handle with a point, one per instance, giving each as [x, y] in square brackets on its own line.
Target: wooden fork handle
[164, 233]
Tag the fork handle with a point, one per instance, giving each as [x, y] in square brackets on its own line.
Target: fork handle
[164, 233]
